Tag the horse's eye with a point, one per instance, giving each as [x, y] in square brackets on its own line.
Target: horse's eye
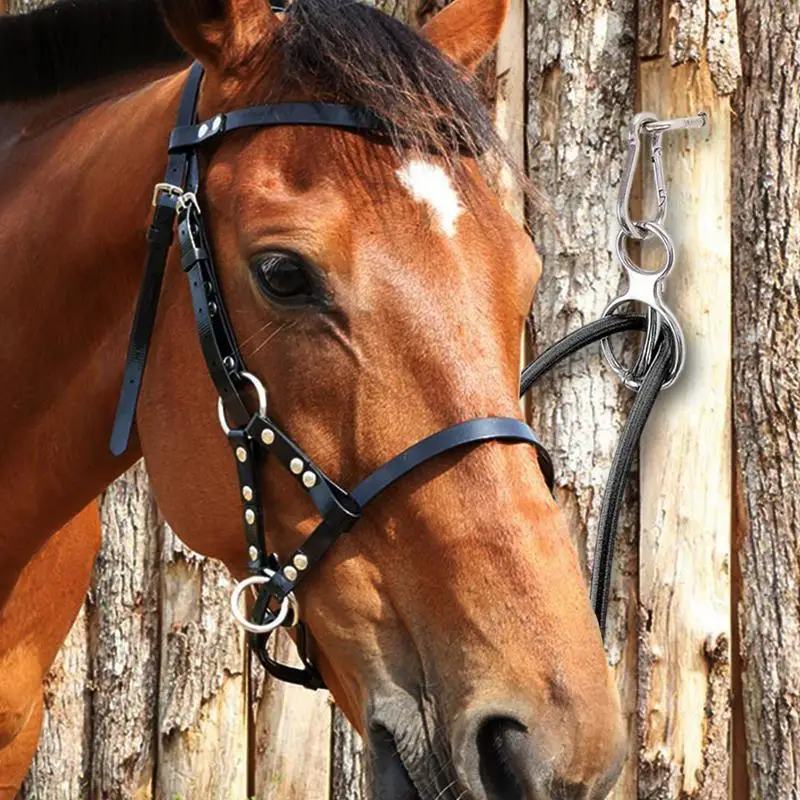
[284, 279]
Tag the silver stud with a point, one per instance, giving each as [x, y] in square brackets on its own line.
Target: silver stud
[203, 130]
[229, 362]
[241, 454]
[249, 516]
[212, 308]
[253, 553]
[267, 436]
[296, 466]
[309, 479]
[290, 573]
[247, 493]
[217, 121]
[301, 561]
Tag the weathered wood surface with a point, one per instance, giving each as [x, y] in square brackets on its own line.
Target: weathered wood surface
[684, 665]
[580, 96]
[202, 702]
[292, 757]
[147, 697]
[766, 198]
[61, 768]
[684, 670]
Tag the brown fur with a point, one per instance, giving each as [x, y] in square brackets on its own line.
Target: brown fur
[33, 624]
[459, 594]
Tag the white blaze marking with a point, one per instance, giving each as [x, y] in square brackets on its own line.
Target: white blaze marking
[430, 184]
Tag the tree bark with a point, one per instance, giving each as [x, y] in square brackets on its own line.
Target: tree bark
[350, 770]
[61, 767]
[202, 703]
[766, 146]
[124, 625]
[580, 97]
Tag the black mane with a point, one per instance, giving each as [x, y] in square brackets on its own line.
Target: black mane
[73, 42]
[341, 50]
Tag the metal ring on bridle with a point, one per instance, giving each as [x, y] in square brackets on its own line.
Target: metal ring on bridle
[288, 604]
[262, 401]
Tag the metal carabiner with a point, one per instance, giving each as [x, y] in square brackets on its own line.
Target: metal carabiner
[628, 225]
[648, 123]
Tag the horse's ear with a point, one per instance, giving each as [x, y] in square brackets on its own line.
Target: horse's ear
[221, 34]
[466, 30]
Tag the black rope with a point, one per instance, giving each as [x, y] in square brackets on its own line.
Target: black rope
[656, 376]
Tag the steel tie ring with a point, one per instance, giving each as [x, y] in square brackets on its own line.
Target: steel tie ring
[647, 287]
[261, 392]
[289, 603]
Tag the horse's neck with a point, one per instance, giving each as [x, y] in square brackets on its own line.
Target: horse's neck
[74, 205]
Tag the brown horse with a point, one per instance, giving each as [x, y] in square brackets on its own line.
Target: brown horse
[452, 624]
[33, 624]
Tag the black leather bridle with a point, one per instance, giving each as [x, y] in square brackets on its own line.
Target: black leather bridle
[253, 436]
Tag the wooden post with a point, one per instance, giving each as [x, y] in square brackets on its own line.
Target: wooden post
[202, 730]
[687, 65]
[580, 97]
[766, 286]
[292, 754]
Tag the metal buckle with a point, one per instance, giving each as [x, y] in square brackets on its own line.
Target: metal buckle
[166, 188]
[186, 199]
[261, 392]
[288, 604]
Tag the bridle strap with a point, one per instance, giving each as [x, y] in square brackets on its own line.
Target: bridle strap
[329, 115]
[474, 431]
[655, 378]
[159, 240]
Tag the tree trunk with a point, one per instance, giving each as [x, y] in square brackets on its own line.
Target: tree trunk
[580, 97]
[124, 644]
[766, 147]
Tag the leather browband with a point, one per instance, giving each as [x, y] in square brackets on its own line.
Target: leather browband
[329, 115]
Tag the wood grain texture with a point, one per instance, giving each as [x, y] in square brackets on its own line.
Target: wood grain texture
[580, 97]
[685, 463]
[292, 737]
[351, 770]
[766, 197]
[202, 725]
[124, 625]
[61, 767]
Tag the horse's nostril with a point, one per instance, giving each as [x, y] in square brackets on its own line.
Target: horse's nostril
[505, 753]
[390, 780]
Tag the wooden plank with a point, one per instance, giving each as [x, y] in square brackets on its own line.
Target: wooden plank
[61, 766]
[292, 737]
[766, 287]
[124, 651]
[350, 776]
[580, 97]
[202, 702]
[685, 466]
[509, 110]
